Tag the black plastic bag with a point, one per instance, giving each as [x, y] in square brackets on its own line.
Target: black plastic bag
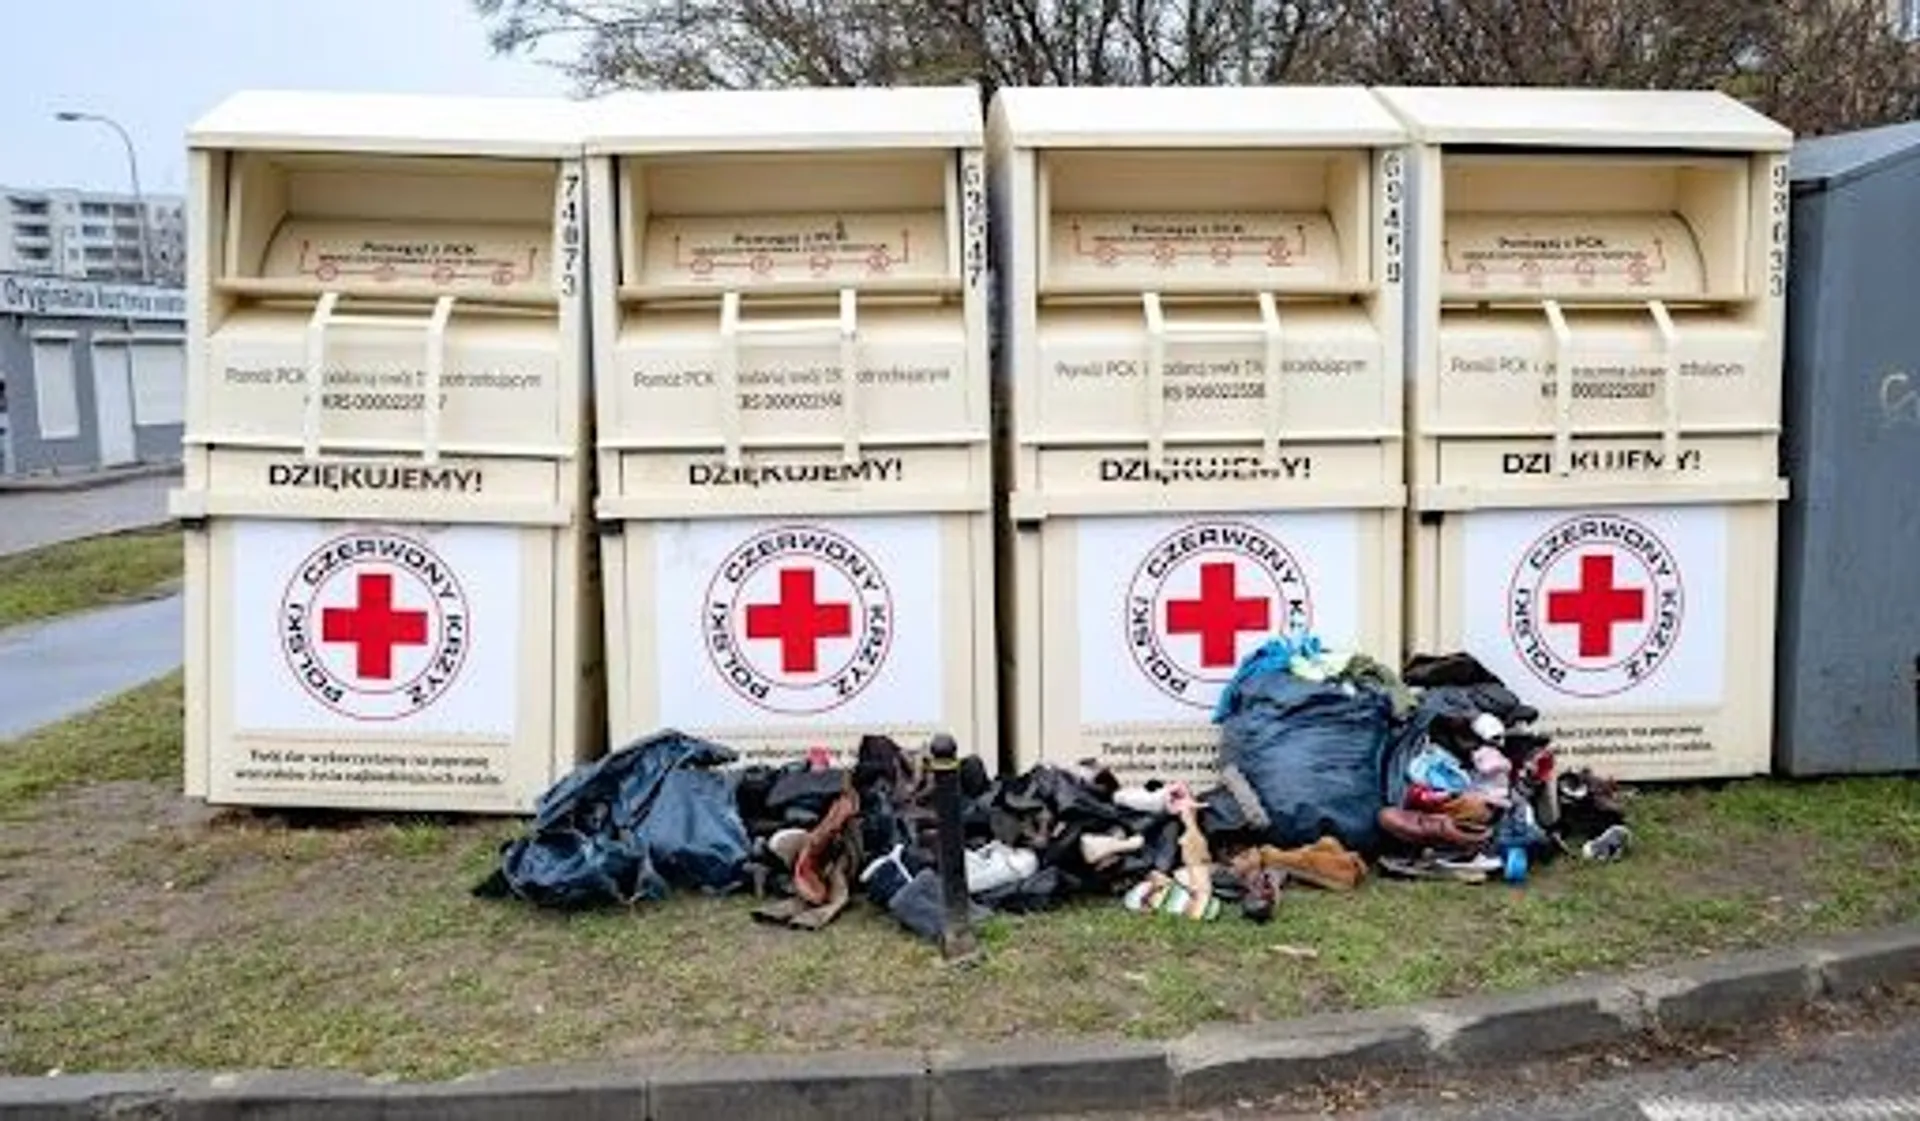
[626, 827]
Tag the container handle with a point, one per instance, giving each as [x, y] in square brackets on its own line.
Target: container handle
[316, 374]
[1156, 381]
[1670, 383]
[728, 375]
[324, 316]
[1270, 375]
[1266, 331]
[849, 376]
[1562, 389]
[843, 328]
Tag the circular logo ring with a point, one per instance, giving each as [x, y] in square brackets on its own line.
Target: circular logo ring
[1243, 574]
[780, 602]
[1596, 604]
[375, 625]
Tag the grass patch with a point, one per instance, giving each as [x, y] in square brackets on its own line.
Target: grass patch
[94, 572]
[356, 943]
[135, 736]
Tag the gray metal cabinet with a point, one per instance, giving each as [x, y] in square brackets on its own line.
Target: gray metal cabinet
[1849, 635]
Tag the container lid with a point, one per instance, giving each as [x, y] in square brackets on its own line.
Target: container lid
[391, 124]
[1194, 117]
[784, 120]
[1583, 118]
[1829, 161]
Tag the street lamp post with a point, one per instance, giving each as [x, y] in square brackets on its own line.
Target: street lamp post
[133, 171]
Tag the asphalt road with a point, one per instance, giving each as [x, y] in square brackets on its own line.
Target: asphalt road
[31, 519]
[50, 671]
[1849, 1076]
[1850, 1063]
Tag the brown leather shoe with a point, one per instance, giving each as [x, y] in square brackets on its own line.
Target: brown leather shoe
[808, 881]
[1431, 830]
[1325, 863]
[1469, 809]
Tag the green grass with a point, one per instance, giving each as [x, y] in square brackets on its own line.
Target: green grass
[134, 736]
[360, 946]
[94, 572]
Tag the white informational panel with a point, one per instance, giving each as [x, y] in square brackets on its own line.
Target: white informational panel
[1169, 605]
[400, 630]
[1580, 610]
[800, 618]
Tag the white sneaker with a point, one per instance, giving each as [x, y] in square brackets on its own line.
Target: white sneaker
[1097, 848]
[995, 865]
[1140, 800]
[786, 844]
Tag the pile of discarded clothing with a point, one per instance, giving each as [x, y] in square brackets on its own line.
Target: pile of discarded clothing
[1473, 790]
[1328, 761]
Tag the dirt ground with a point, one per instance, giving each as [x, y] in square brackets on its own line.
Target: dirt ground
[140, 930]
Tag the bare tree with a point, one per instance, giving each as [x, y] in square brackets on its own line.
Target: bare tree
[727, 43]
[1817, 65]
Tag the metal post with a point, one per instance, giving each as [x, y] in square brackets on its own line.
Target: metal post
[956, 934]
[133, 172]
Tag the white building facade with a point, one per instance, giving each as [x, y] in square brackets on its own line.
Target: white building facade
[90, 235]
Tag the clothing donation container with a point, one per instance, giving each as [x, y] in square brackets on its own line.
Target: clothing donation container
[389, 579]
[794, 440]
[1201, 292]
[1595, 326]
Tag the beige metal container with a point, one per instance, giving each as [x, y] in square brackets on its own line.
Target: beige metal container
[1595, 348]
[795, 484]
[1201, 300]
[389, 576]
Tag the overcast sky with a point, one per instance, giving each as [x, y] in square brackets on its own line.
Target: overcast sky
[156, 65]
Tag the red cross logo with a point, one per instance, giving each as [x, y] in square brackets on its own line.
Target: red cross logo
[798, 621]
[373, 627]
[1596, 606]
[1218, 616]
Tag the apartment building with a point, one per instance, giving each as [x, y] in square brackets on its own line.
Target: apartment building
[90, 235]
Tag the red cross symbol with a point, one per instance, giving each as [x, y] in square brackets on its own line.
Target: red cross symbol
[1596, 606]
[798, 621]
[1218, 616]
[374, 627]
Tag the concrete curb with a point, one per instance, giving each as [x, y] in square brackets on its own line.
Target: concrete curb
[90, 480]
[1210, 1067]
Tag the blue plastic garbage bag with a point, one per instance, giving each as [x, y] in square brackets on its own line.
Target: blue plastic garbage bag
[627, 827]
[1312, 751]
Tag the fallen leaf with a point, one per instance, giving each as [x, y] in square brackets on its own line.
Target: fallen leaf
[1285, 950]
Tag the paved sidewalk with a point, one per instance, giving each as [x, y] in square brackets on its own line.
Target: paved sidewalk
[31, 519]
[51, 671]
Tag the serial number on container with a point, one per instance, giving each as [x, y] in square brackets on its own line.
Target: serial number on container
[789, 402]
[1217, 391]
[377, 402]
[1605, 390]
